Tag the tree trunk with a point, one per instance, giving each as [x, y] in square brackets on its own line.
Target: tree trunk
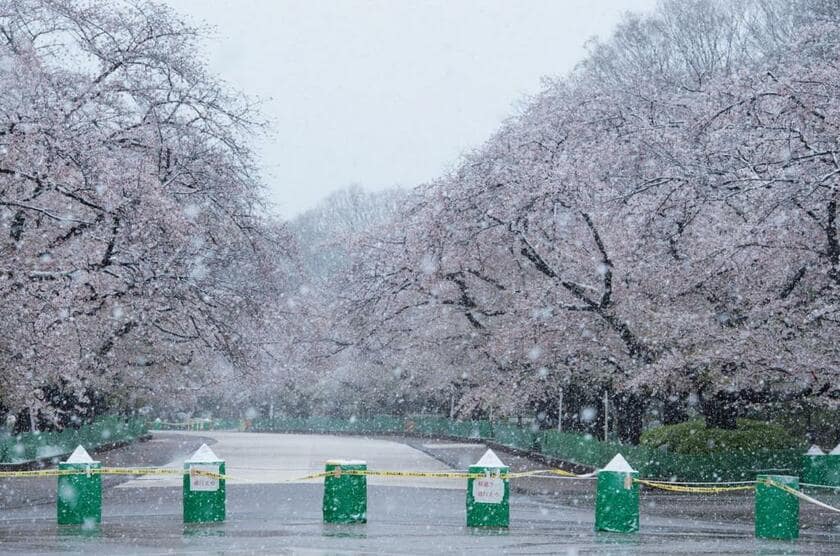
[630, 407]
[720, 412]
[673, 410]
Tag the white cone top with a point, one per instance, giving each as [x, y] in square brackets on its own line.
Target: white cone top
[489, 459]
[203, 455]
[835, 451]
[618, 464]
[814, 450]
[80, 455]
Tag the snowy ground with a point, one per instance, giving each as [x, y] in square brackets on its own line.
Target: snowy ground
[412, 516]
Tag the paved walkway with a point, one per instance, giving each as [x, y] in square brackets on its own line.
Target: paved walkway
[267, 458]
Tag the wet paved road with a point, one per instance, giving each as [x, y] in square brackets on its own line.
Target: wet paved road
[255, 458]
[286, 519]
[274, 518]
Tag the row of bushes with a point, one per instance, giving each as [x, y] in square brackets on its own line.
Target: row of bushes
[693, 437]
[33, 446]
[723, 459]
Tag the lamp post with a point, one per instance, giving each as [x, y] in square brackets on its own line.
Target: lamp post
[560, 409]
[606, 415]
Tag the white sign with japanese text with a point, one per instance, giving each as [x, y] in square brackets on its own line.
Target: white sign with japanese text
[200, 482]
[488, 490]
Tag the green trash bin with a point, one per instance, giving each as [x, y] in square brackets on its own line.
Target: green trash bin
[345, 495]
[488, 496]
[204, 495]
[79, 496]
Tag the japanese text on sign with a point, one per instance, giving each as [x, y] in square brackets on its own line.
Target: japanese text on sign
[201, 482]
[488, 490]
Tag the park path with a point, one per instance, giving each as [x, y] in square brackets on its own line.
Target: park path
[268, 458]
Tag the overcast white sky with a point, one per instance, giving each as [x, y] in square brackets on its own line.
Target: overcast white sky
[385, 93]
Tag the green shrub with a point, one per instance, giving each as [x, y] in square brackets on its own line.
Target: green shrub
[693, 437]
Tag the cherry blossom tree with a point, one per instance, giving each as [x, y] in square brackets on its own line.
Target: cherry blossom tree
[137, 258]
[658, 223]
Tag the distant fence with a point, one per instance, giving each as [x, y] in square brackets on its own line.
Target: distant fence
[198, 425]
[570, 447]
[651, 462]
[30, 447]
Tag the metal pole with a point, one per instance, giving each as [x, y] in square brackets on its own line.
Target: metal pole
[606, 416]
[560, 411]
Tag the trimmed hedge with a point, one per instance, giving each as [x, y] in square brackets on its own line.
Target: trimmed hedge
[30, 447]
[693, 437]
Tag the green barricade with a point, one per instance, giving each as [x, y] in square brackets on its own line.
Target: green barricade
[469, 429]
[427, 426]
[513, 436]
[650, 462]
[488, 496]
[617, 497]
[32, 446]
[79, 497]
[776, 511]
[385, 424]
[345, 496]
[204, 498]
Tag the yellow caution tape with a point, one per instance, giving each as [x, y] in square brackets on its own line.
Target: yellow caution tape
[43, 473]
[318, 475]
[415, 474]
[334, 473]
[112, 471]
[799, 494]
[145, 471]
[674, 487]
[448, 474]
[539, 472]
[662, 485]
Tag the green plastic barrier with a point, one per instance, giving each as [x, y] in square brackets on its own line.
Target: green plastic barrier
[204, 497]
[488, 497]
[513, 436]
[617, 498]
[469, 429]
[29, 447]
[345, 496]
[79, 500]
[831, 469]
[650, 462]
[427, 426]
[776, 511]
